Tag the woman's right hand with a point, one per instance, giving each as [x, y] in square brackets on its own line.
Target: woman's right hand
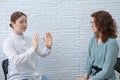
[81, 79]
[35, 41]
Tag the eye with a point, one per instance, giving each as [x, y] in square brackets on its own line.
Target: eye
[23, 21]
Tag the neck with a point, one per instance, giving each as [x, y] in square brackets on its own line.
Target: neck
[99, 41]
[18, 33]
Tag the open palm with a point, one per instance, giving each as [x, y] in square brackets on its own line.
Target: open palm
[48, 40]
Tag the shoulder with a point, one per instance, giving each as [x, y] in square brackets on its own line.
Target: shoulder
[92, 39]
[112, 41]
[8, 42]
[28, 39]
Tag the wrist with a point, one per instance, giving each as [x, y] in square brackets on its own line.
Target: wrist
[49, 47]
[85, 78]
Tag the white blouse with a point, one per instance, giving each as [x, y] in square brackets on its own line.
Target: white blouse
[22, 57]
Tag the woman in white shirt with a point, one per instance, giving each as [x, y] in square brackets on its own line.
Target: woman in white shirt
[23, 51]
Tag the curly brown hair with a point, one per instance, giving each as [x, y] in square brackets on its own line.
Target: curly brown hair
[105, 25]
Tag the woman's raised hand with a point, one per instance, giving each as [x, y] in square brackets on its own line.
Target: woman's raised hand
[35, 41]
[48, 40]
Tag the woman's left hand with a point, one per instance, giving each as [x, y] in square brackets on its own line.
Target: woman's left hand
[48, 40]
[91, 79]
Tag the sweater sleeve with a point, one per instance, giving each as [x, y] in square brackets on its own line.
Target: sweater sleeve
[12, 54]
[110, 61]
[44, 51]
[88, 60]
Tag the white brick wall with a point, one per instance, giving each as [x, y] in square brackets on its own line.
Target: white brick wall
[68, 20]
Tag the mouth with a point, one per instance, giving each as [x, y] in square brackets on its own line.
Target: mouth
[25, 27]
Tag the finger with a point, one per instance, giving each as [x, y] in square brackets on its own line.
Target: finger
[77, 78]
[50, 36]
[44, 39]
[37, 38]
[35, 35]
[47, 35]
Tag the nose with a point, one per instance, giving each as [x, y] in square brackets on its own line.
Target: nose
[92, 26]
[25, 23]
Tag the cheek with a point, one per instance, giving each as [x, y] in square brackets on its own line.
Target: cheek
[94, 28]
[20, 26]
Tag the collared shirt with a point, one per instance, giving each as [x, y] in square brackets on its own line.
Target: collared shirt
[22, 57]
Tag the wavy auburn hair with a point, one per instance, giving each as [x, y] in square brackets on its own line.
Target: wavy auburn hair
[105, 25]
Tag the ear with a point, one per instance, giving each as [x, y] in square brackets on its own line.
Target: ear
[12, 24]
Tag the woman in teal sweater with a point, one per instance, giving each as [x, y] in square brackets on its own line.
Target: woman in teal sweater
[103, 48]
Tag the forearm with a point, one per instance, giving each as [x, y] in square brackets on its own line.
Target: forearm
[18, 59]
[21, 58]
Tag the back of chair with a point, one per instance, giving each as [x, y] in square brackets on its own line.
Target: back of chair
[5, 67]
[117, 66]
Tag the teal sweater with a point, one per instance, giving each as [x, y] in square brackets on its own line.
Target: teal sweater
[104, 56]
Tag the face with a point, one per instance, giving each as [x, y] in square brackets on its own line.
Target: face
[93, 26]
[20, 25]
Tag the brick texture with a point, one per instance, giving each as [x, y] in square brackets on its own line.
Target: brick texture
[68, 21]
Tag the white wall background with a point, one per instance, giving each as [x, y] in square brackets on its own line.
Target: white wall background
[68, 21]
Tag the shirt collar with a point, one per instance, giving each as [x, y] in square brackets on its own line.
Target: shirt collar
[16, 36]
